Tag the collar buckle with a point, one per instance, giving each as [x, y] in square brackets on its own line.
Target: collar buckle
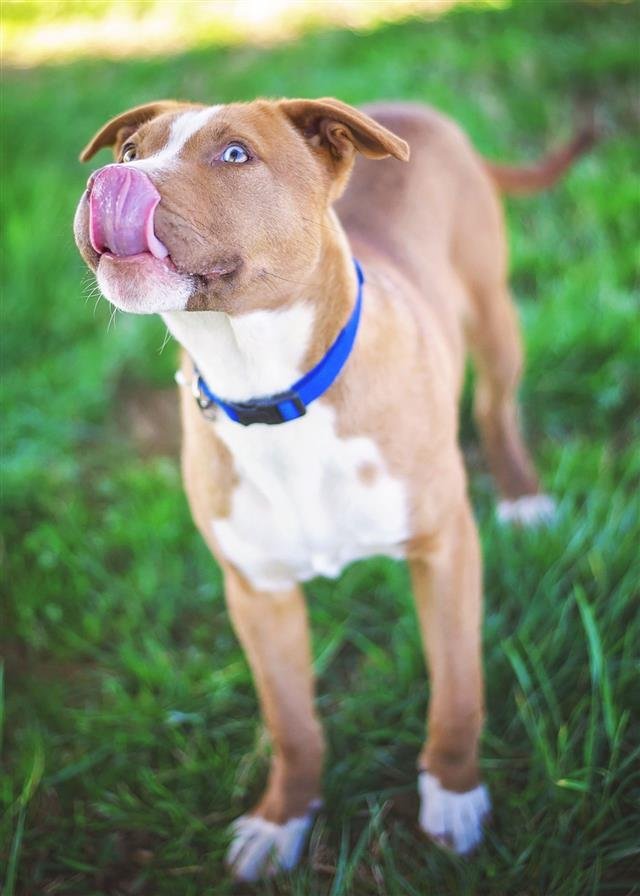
[206, 404]
[269, 410]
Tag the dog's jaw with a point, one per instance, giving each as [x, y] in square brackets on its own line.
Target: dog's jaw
[143, 284]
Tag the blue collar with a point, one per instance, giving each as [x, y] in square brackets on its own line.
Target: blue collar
[292, 403]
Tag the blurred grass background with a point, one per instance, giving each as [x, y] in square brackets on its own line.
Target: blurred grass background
[127, 702]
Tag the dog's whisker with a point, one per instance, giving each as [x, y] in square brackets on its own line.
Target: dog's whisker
[286, 279]
[329, 227]
[272, 287]
[167, 337]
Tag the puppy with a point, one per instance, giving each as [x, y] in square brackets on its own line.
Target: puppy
[325, 287]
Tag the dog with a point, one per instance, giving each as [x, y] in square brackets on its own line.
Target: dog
[326, 270]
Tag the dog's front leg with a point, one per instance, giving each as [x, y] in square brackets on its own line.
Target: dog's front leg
[273, 629]
[448, 591]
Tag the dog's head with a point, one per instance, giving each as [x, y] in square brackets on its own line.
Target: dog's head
[207, 207]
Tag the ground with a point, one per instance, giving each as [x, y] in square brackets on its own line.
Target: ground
[128, 704]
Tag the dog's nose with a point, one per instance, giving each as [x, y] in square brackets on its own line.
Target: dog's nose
[122, 204]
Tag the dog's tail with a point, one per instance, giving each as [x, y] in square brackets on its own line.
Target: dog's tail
[545, 173]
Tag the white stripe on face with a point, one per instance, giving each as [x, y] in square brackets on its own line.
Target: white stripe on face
[182, 129]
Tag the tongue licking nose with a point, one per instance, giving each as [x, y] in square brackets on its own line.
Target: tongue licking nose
[122, 203]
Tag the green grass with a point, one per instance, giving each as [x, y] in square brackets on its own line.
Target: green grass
[131, 735]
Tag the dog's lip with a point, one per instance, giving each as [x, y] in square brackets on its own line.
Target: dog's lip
[140, 257]
[216, 273]
[210, 273]
[221, 270]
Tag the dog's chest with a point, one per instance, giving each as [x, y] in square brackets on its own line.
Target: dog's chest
[307, 502]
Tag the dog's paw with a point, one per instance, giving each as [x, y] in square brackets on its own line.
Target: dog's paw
[261, 848]
[527, 510]
[453, 820]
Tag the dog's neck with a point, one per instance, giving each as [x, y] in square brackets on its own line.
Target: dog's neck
[264, 352]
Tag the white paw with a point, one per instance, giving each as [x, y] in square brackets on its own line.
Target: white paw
[261, 848]
[452, 819]
[528, 510]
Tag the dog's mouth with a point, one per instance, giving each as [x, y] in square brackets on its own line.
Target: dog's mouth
[144, 284]
[147, 260]
[122, 206]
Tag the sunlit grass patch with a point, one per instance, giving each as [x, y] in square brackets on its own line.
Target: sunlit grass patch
[36, 31]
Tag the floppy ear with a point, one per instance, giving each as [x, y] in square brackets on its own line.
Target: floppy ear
[116, 131]
[340, 129]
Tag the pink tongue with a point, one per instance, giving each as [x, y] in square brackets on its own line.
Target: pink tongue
[122, 203]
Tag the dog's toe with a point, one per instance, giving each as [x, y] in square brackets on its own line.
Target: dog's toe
[453, 820]
[260, 848]
[527, 510]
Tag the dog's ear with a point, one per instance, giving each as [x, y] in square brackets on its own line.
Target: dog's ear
[115, 132]
[340, 130]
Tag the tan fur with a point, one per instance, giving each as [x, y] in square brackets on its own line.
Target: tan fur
[429, 233]
[546, 172]
[115, 132]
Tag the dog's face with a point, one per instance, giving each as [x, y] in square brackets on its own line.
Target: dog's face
[213, 207]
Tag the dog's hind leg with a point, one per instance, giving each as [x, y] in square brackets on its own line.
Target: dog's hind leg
[448, 592]
[497, 350]
[273, 630]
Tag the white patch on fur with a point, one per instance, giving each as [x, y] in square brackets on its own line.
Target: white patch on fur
[260, 848]
[252, 354]
[183, 128]
[528, 510]
[300, 508]
[453, 820]
[141, 292]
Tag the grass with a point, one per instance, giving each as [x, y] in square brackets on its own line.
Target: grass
[131, 734]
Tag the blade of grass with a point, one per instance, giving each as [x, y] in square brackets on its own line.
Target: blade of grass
[597, 663]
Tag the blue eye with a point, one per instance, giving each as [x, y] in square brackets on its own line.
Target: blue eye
[235, 154]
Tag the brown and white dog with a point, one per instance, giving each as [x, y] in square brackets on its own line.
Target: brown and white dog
[238, 224]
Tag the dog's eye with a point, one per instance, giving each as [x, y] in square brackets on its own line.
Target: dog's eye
[235, 154]
[128, 152]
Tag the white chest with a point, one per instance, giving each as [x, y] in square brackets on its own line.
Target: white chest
[307, 502]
